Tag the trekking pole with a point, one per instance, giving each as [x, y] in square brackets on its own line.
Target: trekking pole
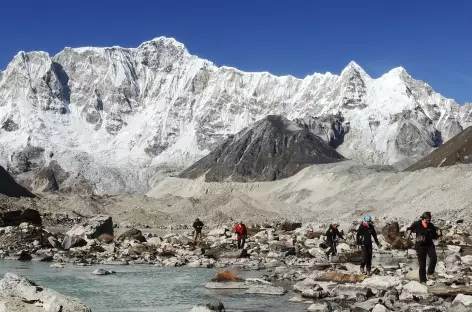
[442, 245]
[408, 239]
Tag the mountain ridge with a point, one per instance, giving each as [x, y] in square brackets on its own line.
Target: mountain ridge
[121, 116]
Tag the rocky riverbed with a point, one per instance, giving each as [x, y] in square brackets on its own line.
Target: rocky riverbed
[282, 257]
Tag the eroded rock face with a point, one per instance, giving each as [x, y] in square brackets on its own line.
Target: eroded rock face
[273, 148]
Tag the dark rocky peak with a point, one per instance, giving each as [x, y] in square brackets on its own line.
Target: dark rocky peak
[273, 148]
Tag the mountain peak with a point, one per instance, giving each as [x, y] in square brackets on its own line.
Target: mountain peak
[165, 41]
[353, 67]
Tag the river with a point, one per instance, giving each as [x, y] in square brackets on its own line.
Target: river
[143, 288]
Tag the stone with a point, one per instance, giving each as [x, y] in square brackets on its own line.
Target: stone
[351, 290]
[93, 228]
[367, 305]
[103, 272]
[132, 234]
[413, 288]
[16, 289]
[289, 226]
[413, 275]
[57, 265]
[72, 241]
[154, 241]
[381, 282]
[209, 307]
[54, 242]
[454, 248]
[466, 300]
[316, 292]
[106, 238]
[320, 307]
[23, 256]
[379, 308]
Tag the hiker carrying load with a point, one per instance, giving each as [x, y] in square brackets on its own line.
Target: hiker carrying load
[197, 225]
[424, 244]
[365, 232]
[331, 238]
[241, 234]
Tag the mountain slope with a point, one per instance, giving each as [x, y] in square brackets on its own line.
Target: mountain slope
[273, 148]
[10, 188]
[119, 116]
[457, 150]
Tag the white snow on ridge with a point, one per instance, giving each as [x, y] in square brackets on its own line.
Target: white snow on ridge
[117, 115]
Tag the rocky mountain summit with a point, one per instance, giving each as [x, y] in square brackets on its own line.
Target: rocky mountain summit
[271, 149]
[120, 118]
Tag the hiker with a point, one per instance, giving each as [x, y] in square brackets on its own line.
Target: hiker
[331, 237]
[241, 234]
[424, 245]
[197, 225]
[365, 232]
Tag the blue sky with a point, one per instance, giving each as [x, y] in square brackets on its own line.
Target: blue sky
[431, 39]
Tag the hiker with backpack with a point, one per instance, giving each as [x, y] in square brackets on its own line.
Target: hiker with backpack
[331, 238]
[424, 245]
[365, 232]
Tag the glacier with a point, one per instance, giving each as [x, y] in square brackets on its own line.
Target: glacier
[122, 118]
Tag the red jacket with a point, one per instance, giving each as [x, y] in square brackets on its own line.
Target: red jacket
[240, 230]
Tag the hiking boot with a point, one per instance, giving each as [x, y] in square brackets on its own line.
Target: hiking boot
[368, 273]
[362, 271]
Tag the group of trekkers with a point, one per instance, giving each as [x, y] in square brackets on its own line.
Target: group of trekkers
[240, 229]
[425, 232]
[425, 235]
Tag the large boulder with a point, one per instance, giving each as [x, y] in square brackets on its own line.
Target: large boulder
[16, 217]
[132, 234]
[93, 228]
[392, 235]
[17, 294]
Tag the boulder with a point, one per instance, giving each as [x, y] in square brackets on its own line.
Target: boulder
[391, 234]
[209, 307]
[381, 282]
[320, 307]
[132, 234]
[103, 272]
[466, 300]
[54, 242]
[351, 291]
[289, 226]
[379, 308]
[72, 241]
[106, 238]
[19, 294]
[93, 228]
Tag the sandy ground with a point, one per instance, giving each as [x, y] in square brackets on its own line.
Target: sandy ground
[343, 192]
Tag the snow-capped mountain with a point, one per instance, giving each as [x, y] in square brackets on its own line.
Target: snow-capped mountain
[115, 116]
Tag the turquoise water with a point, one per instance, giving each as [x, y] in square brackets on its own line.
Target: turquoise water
[146, 288]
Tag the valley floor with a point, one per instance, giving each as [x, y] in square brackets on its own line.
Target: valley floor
[345, 191]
